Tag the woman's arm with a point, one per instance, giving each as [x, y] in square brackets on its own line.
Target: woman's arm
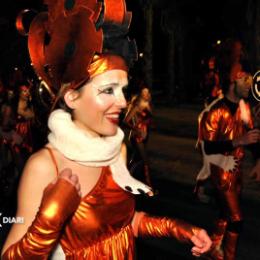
[33, 181]
[129, 117]
[42, 207]
[145, 225]
[24, 110]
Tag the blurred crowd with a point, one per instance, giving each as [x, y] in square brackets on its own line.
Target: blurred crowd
[21, 131]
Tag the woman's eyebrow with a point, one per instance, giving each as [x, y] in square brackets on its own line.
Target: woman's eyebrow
[114, 84]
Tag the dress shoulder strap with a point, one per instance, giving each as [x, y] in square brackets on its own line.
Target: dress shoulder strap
[53, 159]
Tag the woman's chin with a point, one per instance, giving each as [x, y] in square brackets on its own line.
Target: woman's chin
[110, 132]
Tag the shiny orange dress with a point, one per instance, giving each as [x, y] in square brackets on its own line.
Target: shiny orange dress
[101, 226]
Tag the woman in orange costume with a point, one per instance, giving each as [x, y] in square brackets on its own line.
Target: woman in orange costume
[85, 199]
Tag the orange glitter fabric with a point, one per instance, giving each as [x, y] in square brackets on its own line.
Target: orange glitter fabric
[101, 226]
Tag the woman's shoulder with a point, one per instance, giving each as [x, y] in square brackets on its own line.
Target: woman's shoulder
[38, 173]
[41, 156]
[40, 165]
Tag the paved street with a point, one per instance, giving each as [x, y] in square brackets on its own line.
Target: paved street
[175, 163]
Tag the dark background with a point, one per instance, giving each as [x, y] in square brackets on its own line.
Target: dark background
[189, 28]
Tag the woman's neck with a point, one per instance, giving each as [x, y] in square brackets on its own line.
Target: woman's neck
[88, 131]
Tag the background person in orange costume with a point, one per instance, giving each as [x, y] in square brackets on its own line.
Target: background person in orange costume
[139, 119]
[225, 128]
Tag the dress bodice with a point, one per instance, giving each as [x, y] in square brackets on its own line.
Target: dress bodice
[101, 226]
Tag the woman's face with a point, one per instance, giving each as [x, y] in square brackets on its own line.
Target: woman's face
[24, 93]
[100, 102]
[145, 94]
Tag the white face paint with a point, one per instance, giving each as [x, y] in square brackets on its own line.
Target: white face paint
[100, 102]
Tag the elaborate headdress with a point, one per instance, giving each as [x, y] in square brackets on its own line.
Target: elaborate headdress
[69, 43]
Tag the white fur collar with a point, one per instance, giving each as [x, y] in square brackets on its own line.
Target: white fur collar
[77, 145]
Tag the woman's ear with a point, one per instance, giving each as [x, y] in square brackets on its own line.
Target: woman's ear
[70, 98]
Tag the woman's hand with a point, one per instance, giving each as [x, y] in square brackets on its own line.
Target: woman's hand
[201, 241]
[67, 175]
[60, 193]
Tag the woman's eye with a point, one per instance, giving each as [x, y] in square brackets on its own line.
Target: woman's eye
[109, 91]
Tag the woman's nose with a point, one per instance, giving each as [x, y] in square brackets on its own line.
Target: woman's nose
[121, 101]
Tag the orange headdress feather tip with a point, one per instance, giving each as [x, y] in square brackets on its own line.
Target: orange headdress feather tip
[114, 11]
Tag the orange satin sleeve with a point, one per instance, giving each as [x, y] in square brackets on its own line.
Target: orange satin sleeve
[209, 125]
[59, 201]
[166, 227]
